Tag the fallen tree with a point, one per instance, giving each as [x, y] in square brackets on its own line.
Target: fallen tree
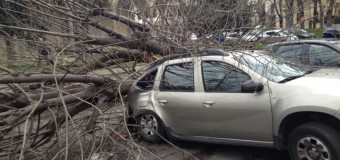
[84, 56]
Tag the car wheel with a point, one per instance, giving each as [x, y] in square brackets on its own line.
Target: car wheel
[150, 128]
[314, 141]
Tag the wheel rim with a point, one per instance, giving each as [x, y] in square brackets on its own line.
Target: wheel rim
[149, 125]
[311, 148]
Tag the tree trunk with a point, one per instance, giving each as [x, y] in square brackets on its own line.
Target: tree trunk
[329, 13]
[289, 13]
[322, 21]
[272, 15]
[279, 12]
[10, 52]
[262, 13]
[315, 13]
[300, 14]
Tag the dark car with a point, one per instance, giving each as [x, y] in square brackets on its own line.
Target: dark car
[331, 32]
[300, 33]
[315, 53]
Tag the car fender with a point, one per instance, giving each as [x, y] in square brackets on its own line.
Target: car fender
[147, 107]
[303, 103]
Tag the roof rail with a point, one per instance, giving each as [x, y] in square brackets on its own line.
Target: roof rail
[206, 52]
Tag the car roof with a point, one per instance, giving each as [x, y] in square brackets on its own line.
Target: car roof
[305, 41]
[206, 52]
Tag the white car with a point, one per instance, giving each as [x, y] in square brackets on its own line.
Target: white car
[278, 35]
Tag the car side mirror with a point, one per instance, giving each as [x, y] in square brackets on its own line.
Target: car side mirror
[250, 86]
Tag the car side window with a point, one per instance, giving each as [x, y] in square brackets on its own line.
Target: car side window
[222, 77]
[321, 55]
[270, 33]
[291, 52]
[178, 78]
[147, 82]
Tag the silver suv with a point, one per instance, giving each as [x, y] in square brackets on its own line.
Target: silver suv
[240, 98]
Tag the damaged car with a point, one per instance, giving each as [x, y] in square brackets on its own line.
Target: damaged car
[239, 98]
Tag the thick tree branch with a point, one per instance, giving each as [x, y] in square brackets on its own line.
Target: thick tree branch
[143, 44]
[23, 78]
[132, 24]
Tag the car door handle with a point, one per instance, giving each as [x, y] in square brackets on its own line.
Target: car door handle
[163, 102]
[208, 104]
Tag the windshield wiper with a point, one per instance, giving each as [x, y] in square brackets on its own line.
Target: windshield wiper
[290, 78]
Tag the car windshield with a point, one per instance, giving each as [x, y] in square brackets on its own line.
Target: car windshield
[274, 69]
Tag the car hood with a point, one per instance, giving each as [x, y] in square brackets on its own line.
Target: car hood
[323, 79]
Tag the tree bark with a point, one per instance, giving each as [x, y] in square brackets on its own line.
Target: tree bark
[301, 13]
[272, 14]
[147, 44]
[279, 12]
[120, 18]
[322, 20]
[10, 52]
[289, 13]
[11, 120]
[262, 13]
[315, 13]
[22, 100]
[329, 13]
[22, 78]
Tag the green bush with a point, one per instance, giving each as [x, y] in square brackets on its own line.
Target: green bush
[260, 46]
[318, 32]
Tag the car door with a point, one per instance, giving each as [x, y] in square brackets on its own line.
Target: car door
[176, 100]
[320, 55]
[229, 113]
[293, 52]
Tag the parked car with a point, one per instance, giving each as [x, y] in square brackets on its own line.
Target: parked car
[300, 33]
[315, 53]
[269, 35]
[239, 98]
[331, 32]
[224, 37]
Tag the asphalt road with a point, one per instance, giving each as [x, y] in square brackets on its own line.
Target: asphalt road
[205, 151]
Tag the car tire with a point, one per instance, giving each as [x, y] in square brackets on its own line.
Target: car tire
[150, 128]
[312, 141]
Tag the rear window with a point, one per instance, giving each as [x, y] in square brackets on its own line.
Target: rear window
[291, 52]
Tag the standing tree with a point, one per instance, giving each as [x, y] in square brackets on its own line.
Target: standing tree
[301, 13]
[329, 13]
[322, 20]
[315, 13]
[279, 11]
[213, 16]
[289, 13]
